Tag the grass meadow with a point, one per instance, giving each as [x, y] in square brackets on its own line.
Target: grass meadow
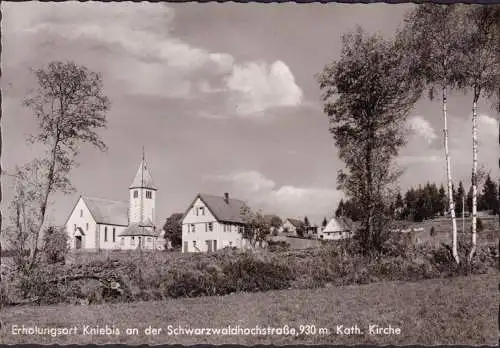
[460, 310]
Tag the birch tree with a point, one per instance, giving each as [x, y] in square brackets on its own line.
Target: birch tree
[368, 94]
[434, 39]
[69, 107]
[480, 75]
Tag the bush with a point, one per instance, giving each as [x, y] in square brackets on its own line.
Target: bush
[250, 274]
[281, 245]
[55, 245]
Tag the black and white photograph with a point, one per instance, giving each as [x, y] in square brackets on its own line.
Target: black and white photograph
[249, 173]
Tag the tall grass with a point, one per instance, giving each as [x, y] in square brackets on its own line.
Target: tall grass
[131, 276]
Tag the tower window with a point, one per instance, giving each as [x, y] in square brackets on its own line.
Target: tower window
[149, 194]
[136, 194]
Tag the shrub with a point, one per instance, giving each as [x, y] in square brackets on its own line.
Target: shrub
[281, 245]
[250, 274]
[55, 245]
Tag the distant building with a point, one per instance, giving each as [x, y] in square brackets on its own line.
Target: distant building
[102, 224]
[212, 222]
[337, 228]
[290, 226]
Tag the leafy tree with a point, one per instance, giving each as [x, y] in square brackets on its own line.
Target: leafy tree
[173, 230]
[434, 42]
[69, 106]
[256, 229]
[276, 221]
[368, 93]
[55, 245]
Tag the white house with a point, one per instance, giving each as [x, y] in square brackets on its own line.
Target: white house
[212, 222]
[337, 228]
[102, 224]
[290, 226]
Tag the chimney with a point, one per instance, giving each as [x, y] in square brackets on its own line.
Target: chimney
[226, 198]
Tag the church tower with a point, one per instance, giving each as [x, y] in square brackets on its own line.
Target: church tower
[142, 196]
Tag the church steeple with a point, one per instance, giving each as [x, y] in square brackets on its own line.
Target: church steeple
[142, 196]
[143, 178]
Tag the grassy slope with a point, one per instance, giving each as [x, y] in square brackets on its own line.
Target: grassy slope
[438, 311]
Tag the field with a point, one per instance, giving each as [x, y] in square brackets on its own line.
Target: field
[461, 310]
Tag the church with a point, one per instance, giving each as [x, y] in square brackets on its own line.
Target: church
[101, 224]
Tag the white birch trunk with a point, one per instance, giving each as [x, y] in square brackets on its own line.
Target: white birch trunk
[450, 187]
[474, 176]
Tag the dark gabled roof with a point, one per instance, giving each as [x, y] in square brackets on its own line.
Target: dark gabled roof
[140, 230]
[296, 222]
[222, 211]
[143, 178]
[105, 211]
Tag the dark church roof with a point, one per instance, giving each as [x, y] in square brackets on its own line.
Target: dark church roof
[105, 211]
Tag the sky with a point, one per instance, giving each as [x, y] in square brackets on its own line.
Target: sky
[222, 96]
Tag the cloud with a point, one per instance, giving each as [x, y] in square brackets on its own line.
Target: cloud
[287, 200]
[142, 54]
[424, 160]
[422, 128]
[257, 87]
[135, 47]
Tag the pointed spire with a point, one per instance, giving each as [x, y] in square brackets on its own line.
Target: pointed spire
[143, 178]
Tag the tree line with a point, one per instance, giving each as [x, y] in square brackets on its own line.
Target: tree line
[429, 201]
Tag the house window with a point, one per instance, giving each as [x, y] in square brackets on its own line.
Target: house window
[87, 226]
[132, 240]
[193, 228]
[194, 244]
[202, 210]
[106, 234]
[81, 212]
[150, 239]
[136, 194]
[210, 226]
[196, 211]
[149, 194]
[122, 241]
[230, 244]
[114, 234]
[74, 227]
[215, 245]
[240, 229]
